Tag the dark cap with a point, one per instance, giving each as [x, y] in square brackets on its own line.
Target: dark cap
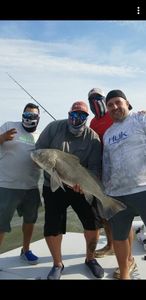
[80, 106]
[116, 93]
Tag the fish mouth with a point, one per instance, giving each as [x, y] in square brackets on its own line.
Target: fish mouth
[33, 155]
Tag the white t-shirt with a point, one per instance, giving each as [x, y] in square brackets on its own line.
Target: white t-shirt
[17, 169]
[124, 156]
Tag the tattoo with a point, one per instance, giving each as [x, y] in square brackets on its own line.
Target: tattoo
[92, 246]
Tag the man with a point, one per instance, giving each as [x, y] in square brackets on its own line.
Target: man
[124, 172]
[19, 177]
[102, 119]
[99, 124]
[73, 136]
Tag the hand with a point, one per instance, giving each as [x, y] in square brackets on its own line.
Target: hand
[9, 135]
[76, 188]
[142, 112]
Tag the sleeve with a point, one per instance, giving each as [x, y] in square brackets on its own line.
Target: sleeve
[92, 125]
[142, 119]
[95, 156]
[46, 137]
[105, 167]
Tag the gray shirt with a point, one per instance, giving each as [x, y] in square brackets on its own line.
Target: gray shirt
[87, 146]
[17, 170]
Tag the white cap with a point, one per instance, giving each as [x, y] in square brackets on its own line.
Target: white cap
[96, 91]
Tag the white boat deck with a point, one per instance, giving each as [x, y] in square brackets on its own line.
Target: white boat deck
[73, 250]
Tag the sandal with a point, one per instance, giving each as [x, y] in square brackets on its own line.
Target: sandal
[104, 252]
[132, 268]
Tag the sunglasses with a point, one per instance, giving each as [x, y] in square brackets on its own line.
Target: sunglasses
[78, 115]
[96, 97]
[30, 115]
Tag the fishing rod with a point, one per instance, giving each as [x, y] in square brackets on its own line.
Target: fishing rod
[30, 96]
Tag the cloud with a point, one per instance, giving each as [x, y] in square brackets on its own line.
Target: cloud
[59, 62]
[45, 56]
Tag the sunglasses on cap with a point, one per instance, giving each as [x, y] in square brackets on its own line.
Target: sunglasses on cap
[30, 115]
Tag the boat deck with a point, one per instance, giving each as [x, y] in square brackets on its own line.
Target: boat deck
[73, 250]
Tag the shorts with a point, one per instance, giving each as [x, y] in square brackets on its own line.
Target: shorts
[56, 204]
[26, 202]
[122, 221]
[100, 221]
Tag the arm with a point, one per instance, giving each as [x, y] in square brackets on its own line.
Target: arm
[42, 142]
[46, 137]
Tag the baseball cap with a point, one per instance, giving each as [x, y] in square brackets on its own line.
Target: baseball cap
[80, 106]
[96, 91]
[116, 93]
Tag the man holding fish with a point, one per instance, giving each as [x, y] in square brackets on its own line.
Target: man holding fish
[83, 146]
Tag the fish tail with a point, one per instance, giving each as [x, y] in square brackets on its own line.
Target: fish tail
[112, 209]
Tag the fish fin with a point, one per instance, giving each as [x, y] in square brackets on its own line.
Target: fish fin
[89, 198]
[55, 181]
[73, 157]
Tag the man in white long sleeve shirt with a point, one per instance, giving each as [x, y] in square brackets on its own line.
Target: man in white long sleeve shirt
[124, 171]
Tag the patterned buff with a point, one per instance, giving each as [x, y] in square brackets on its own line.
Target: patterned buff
[97, 105]
[30, 121]
[77, 122]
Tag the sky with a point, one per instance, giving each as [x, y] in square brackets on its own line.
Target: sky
[59, 62]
